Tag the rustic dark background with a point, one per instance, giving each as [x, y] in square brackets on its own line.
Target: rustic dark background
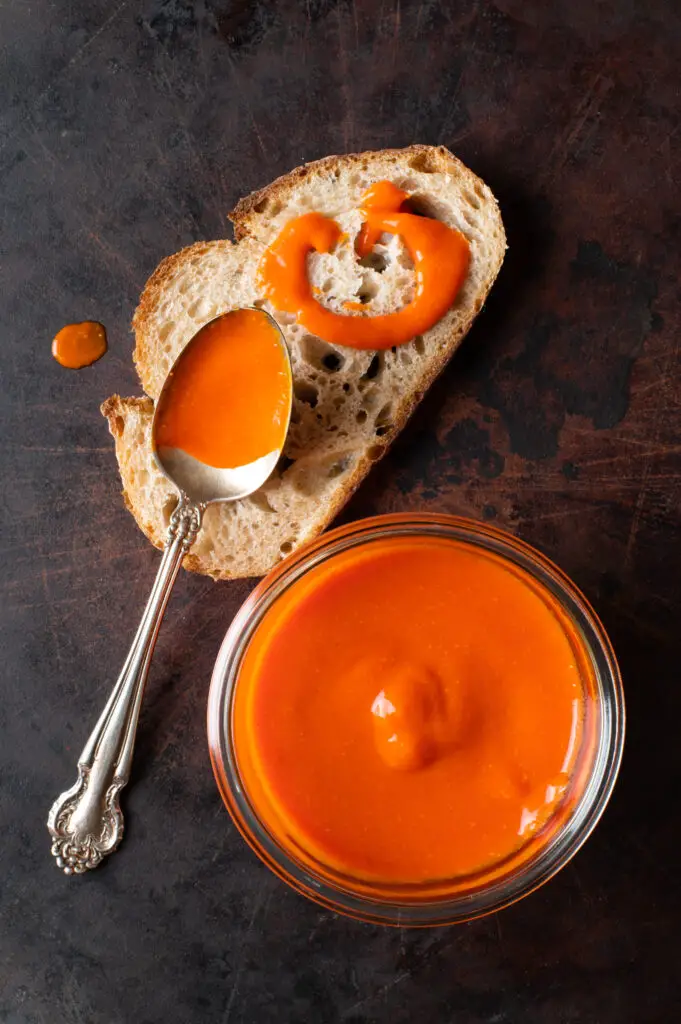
[128, 130]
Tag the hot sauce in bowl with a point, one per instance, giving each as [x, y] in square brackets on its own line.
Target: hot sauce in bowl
[415, 720]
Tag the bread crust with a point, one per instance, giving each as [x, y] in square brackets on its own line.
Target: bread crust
[426, 158]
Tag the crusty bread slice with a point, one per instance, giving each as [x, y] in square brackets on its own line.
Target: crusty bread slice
[348, 404]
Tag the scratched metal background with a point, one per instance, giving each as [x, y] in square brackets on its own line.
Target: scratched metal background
[128, 130]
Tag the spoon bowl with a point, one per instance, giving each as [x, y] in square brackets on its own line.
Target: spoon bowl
[200, 482]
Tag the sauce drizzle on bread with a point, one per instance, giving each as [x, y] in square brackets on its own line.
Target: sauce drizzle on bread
[440, 255]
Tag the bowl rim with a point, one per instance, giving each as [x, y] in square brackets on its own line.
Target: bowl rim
[486, 899]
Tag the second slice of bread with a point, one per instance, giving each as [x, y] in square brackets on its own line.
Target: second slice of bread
[348, 404]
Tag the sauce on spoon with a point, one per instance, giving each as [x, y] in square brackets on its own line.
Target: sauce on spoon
[226, 402]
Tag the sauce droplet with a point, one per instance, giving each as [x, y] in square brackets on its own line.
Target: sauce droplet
[409, 718]
[78, 345]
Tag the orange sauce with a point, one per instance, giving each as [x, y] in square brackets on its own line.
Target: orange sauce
[410, 711]
[439, 253]
[227, 399]
[78, 345]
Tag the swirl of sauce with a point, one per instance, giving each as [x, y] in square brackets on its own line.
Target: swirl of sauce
[440, 254]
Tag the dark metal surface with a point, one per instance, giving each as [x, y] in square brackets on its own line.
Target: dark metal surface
[128, 130]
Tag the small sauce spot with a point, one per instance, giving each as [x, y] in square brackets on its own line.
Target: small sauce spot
[79, 345]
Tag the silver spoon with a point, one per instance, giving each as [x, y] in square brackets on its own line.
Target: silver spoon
[86, 822]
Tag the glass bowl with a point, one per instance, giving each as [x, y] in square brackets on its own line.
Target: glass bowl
[460, 899]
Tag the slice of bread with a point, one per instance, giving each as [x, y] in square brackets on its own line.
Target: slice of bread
[348, 404]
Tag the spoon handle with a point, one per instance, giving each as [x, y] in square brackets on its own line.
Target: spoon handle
[86, 822]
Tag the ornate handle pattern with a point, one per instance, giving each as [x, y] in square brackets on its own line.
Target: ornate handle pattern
[86, 822]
